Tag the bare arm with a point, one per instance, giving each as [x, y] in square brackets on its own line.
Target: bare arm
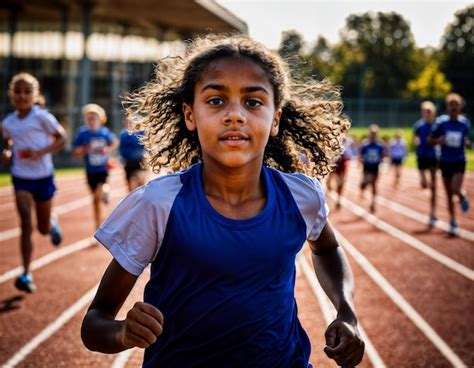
[59, 140]
[343, 342]
[101, 332]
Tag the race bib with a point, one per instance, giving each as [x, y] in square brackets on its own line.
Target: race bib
[453, 139]
[96, 157]
[372, 156]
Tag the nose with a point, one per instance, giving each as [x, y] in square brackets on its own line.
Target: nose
[234, 114]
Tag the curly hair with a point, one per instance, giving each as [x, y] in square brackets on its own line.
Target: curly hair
[311, 121]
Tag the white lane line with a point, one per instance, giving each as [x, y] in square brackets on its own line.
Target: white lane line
[59, 210]
[49, 330]
[122, 358]
[329, 312]
[408, 212]
[48, 258]
[401, 302]
[411, 241]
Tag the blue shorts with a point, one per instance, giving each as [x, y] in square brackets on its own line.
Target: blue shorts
[41, 189]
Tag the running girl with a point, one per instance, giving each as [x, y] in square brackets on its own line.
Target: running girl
[397, 151]
[426, 154]
[339, 172]
[95, 142]
[451, 134]
[223, 234]
[32, 134]
[131, 150]
[372, 152]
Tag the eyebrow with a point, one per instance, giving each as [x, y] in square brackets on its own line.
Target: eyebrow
[249, 89]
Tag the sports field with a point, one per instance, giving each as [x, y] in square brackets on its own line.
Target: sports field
[414, 287]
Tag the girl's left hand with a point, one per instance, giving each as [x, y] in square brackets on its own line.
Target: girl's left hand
[344, 344]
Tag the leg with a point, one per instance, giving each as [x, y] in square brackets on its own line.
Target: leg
[374, 192]
[24, 202]
[423, 181]
[447, 181]
[433, 192]
[340, 178]
[398, 173]
[457, 190]
[96, 202]
[43, 216]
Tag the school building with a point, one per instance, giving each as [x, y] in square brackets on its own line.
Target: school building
[85, 51]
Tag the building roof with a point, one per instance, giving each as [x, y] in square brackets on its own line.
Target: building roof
[182, 16]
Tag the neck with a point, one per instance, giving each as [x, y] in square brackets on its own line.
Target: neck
[454, 117]
[233, 185]
[23, 112]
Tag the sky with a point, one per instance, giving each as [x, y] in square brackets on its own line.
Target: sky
[266, 19]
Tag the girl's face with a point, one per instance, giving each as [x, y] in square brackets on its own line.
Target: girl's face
[23, 96]
[93, 121]
[233, 113]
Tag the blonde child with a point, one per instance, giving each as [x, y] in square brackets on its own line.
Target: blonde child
[32, 134]
[95, 142]
[222, 235]
[426, 154]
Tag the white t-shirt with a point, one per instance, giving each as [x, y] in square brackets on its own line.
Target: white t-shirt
[33, 132]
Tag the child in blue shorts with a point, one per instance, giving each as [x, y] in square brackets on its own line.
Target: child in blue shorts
[451, 132]
[222, 232]
[95, 142]
[426, 154]
[371, 154]
[32, 134]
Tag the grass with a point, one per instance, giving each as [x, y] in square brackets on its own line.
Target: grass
[407, 133]
[5, 178]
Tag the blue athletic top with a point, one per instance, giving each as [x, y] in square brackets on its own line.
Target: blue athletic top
[372, 153]
[130, 146]
[95, 160]
[224, 286]
[454, 132]
[422, 130]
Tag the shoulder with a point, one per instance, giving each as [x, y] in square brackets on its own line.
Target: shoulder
[305, 189]
[43, 114]
[162, 188]
[9, 119]
[420, 123]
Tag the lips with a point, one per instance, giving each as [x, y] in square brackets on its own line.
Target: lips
[234, 136]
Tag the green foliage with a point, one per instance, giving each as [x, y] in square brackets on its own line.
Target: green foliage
[431, 84]
[388, 48]
[457, 46]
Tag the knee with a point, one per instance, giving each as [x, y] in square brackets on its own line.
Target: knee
[26, 227]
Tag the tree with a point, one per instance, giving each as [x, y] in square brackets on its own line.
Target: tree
[387, 46]
[430, 84]
[291, 44]
[457, 46]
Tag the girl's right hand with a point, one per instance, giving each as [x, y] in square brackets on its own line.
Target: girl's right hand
[6, 156]
[141, 328]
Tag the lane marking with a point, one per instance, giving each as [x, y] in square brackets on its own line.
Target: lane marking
[401, 302]
[329, 312]
[48, 258]
[123, 358]
[415, 215]
[49, 330]
[60, 210]
[408, 239]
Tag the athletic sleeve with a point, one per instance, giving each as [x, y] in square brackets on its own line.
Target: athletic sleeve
[48, 121]
[321, 211]
[130, 232]
[311, 201]
[78, 140]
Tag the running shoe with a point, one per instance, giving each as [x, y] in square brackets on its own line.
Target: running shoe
[432, 221]
[25, 283]
[55, 232]
[464, 203]
[453, 227]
